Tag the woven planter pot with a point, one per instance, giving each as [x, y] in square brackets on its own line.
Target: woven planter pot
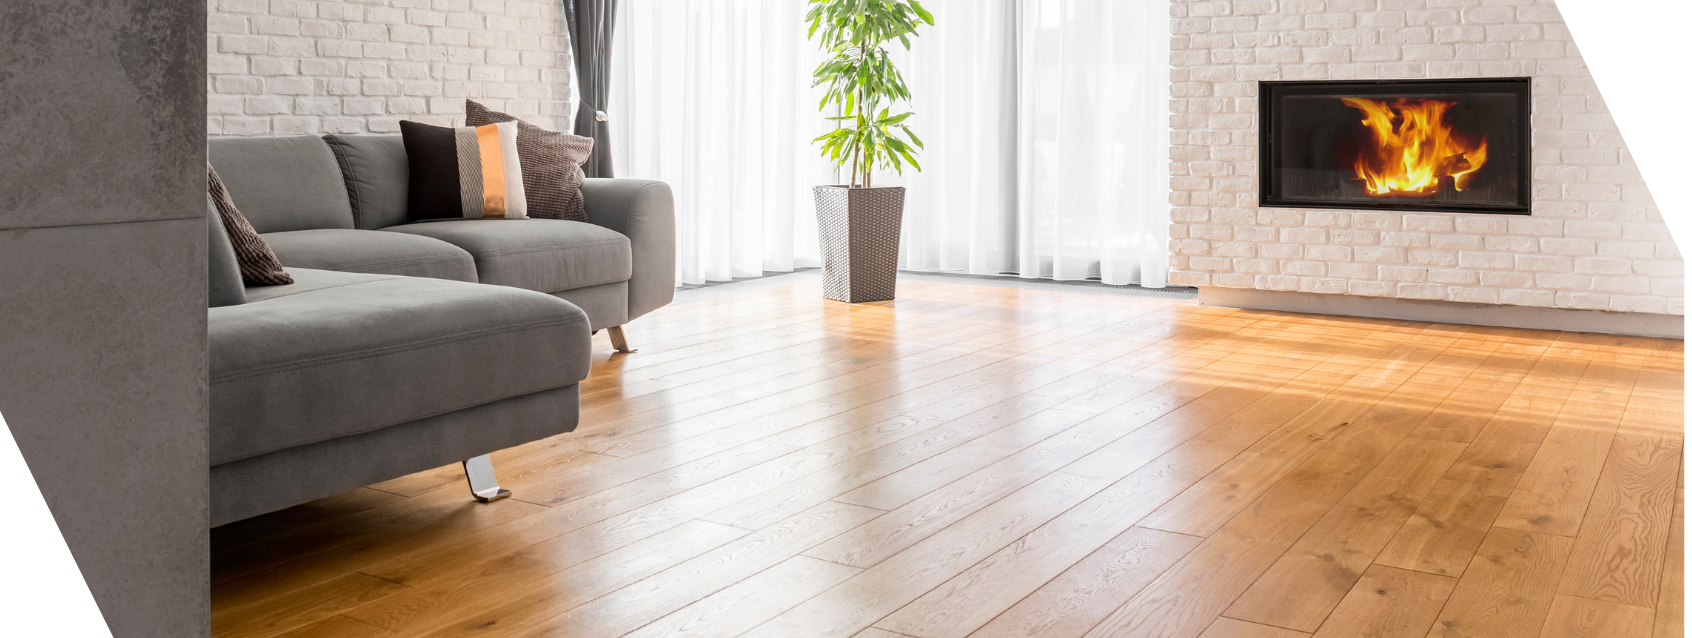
[859, 231]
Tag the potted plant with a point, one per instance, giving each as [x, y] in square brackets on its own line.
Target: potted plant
[858, 223]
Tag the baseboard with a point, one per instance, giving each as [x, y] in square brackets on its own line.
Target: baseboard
[1601, 321]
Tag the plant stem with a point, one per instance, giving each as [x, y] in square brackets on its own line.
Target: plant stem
[863, 97]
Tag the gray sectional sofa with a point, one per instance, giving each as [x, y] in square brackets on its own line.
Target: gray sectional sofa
[403, 347]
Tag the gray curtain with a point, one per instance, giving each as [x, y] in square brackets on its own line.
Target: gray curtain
[591, 24]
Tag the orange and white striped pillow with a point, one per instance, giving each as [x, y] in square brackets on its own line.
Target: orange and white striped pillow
[490, 177]
[466, 172]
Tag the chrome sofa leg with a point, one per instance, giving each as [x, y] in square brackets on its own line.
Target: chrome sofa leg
[618, 341]
[483, 484]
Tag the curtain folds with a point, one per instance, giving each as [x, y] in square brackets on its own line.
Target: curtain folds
[592, 23]
[1045, 123]
[1092, 140]
[716, 99]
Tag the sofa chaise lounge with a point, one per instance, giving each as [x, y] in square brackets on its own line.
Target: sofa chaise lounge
[402, 347]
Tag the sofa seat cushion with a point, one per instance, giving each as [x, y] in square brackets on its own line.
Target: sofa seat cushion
[372, 252]
[545, 255]
[338, 354]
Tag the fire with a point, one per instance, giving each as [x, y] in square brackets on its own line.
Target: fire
[1414, 148]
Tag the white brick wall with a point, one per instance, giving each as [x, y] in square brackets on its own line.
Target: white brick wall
[1595, 239]
[290, 67]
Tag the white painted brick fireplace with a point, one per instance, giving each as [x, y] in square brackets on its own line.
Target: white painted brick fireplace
[292, 67]
[1595, 240]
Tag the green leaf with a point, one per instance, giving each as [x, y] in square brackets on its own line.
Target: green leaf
[926, 16]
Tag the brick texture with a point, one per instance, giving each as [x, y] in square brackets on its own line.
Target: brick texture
[1595, 239]
[292, 67]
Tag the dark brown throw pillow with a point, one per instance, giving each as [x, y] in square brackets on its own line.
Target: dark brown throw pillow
[259, 265]
[551, 163]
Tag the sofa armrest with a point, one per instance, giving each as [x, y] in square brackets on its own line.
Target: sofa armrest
[645, 212]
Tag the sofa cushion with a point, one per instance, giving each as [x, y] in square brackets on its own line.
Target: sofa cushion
[546, 255]
[368, 251]
[338, 354]
[283, 183]
[377, 176]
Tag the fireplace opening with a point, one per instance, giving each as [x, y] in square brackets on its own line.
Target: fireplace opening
[1406, 145]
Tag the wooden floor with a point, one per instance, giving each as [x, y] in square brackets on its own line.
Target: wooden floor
[991, 462]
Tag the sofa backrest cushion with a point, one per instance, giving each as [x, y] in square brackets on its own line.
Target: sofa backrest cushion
[223, 277]
[283, 183]
[377, 177]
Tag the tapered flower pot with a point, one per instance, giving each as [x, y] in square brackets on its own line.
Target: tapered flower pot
[859, 232]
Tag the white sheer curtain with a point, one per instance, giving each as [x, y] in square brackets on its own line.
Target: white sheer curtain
[1045, 125]
[1093, 138]
[713, 96]
[960, 212]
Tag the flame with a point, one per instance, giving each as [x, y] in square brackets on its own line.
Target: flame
[1413, 149]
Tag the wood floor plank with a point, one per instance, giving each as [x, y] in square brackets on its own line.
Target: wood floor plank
[556, 567]
[1573, 617]
[925, 479]
[1407, 389]
[1069, 605]
[435, 560]
[1013, 571]
[1388, 602]
[1470, 407]
[1508, 589]
[972, 598]
[1021, 567]
[753, 354]
[937, 508]
[457, 518]
[802, 335]
[666, 591]
[1231, 628]
[872, 632]
[1553, 493]
[337, 627]
[1454, 518]
[925, 441]
[750, 602]
[245, 556]
[1182, 602]
[861, 342]
[807, 491]
[1618, 556]
[302, 607]
[755, 389]
[1312, 578]
[1657, 404]
[1288, 337]
[1670, 621]
[1188, 358]
[1283, 396]
[821, 358]
[557, 488]
[860, 601]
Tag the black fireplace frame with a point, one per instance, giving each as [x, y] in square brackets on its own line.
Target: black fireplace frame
[1268, 92]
